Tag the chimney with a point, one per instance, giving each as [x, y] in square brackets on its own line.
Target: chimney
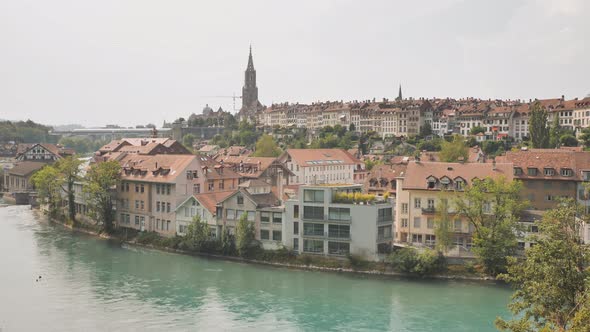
[280, 184]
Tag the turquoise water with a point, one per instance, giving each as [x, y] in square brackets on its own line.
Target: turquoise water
[91, 284]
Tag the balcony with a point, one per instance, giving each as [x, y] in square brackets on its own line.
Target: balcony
[428, 210]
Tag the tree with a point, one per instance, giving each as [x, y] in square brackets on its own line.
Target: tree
[425, 130]
[46, 182]
[431, 145]
[266, 147]
[452, 151]
[228, 242]
[568, 140]
[352, 127]
[538, 130]
[552, 285]
[197, 234]
[188, 140]
[492, 207]
[585, 137]
[477, 129]
[443, 228]
[101, 180]
[69, 170]
[245, 236]
[554, 132]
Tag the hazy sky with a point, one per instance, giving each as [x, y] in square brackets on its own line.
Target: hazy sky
[135, 62]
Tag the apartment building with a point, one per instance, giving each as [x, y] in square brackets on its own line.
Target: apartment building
[425, 186]
[548, 174]
[318, 221]
[313, 166]
[204, 206]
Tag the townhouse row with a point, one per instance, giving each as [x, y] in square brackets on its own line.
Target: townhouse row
[498, 118]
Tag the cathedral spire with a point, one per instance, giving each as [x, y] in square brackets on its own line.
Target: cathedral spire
[250, 61]
[399, 94]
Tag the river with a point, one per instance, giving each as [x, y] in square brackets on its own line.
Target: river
[92, 284]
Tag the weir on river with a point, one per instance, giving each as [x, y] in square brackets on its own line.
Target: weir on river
[93, 284]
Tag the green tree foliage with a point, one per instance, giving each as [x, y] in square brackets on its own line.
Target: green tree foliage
[266, 147]
[245, 236]
[454, 150]
[47, 184]
[426, 262]
[369, 164]
[69, 172]
[352, 127]
[425, 130]
[443, 227]
[552, 285]
[568, 140]
[101, 180]
[477, 129]
[554, 132]
[228, 242]
[492, 207]
[197, 235]
[493, 148]
[82, 145]
[430, 145]
[188, 140]
[24, 132]
[585, 137]
[538, 129]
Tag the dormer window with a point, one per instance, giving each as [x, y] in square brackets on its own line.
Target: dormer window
[445, 182]
[531, 171]
[459, 183]
[431, 181]
[567, 172]
[517, 171]
[548, 171]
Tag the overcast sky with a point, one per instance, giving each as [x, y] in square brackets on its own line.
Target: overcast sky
[142, 61]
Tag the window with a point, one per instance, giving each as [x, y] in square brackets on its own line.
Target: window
[430, 223]
[167, 225]
[136, 188]
[186, 211]
[142, 188]
[264, 234]
[458, 226]
[265, 217]
[313, 196]
[384, 233]
[277, 218]
[405, 208]
[417, 238]
[157, 206]
[295, 228]
[430, 204]
[158, 189]
[566, 172]
[142, 205]
[313, 212]
[221, 185]
[531, 171]
[313, 229]
[487, 207]
[342, 214]
[385, 215]
[549, 171]
[338, 248]
[196, 188]
[549, 197]
[339, 231]
[295, 244]
[240, 199]
[315, 246]
[417, 203]
[430, 240]
[168, 189]
[404, 222]
[230, 214]
[136, 220]
[168, 207]
[459, 184]
[277, 236]
[417, 222]
[136, 204]
[211, 185]
[295, 211]
[239, 214]
[251, 215]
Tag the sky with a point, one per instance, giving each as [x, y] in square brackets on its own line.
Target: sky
[132, 62]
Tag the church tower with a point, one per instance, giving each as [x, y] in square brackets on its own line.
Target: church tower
[250, 90]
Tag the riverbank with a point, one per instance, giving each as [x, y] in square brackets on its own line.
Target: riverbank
[299, 262]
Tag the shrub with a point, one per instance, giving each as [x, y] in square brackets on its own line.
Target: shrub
[409, 260]
[356, 262]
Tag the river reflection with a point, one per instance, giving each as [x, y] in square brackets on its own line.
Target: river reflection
[94, 284]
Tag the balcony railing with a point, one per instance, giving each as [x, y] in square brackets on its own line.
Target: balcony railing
[428, 210]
